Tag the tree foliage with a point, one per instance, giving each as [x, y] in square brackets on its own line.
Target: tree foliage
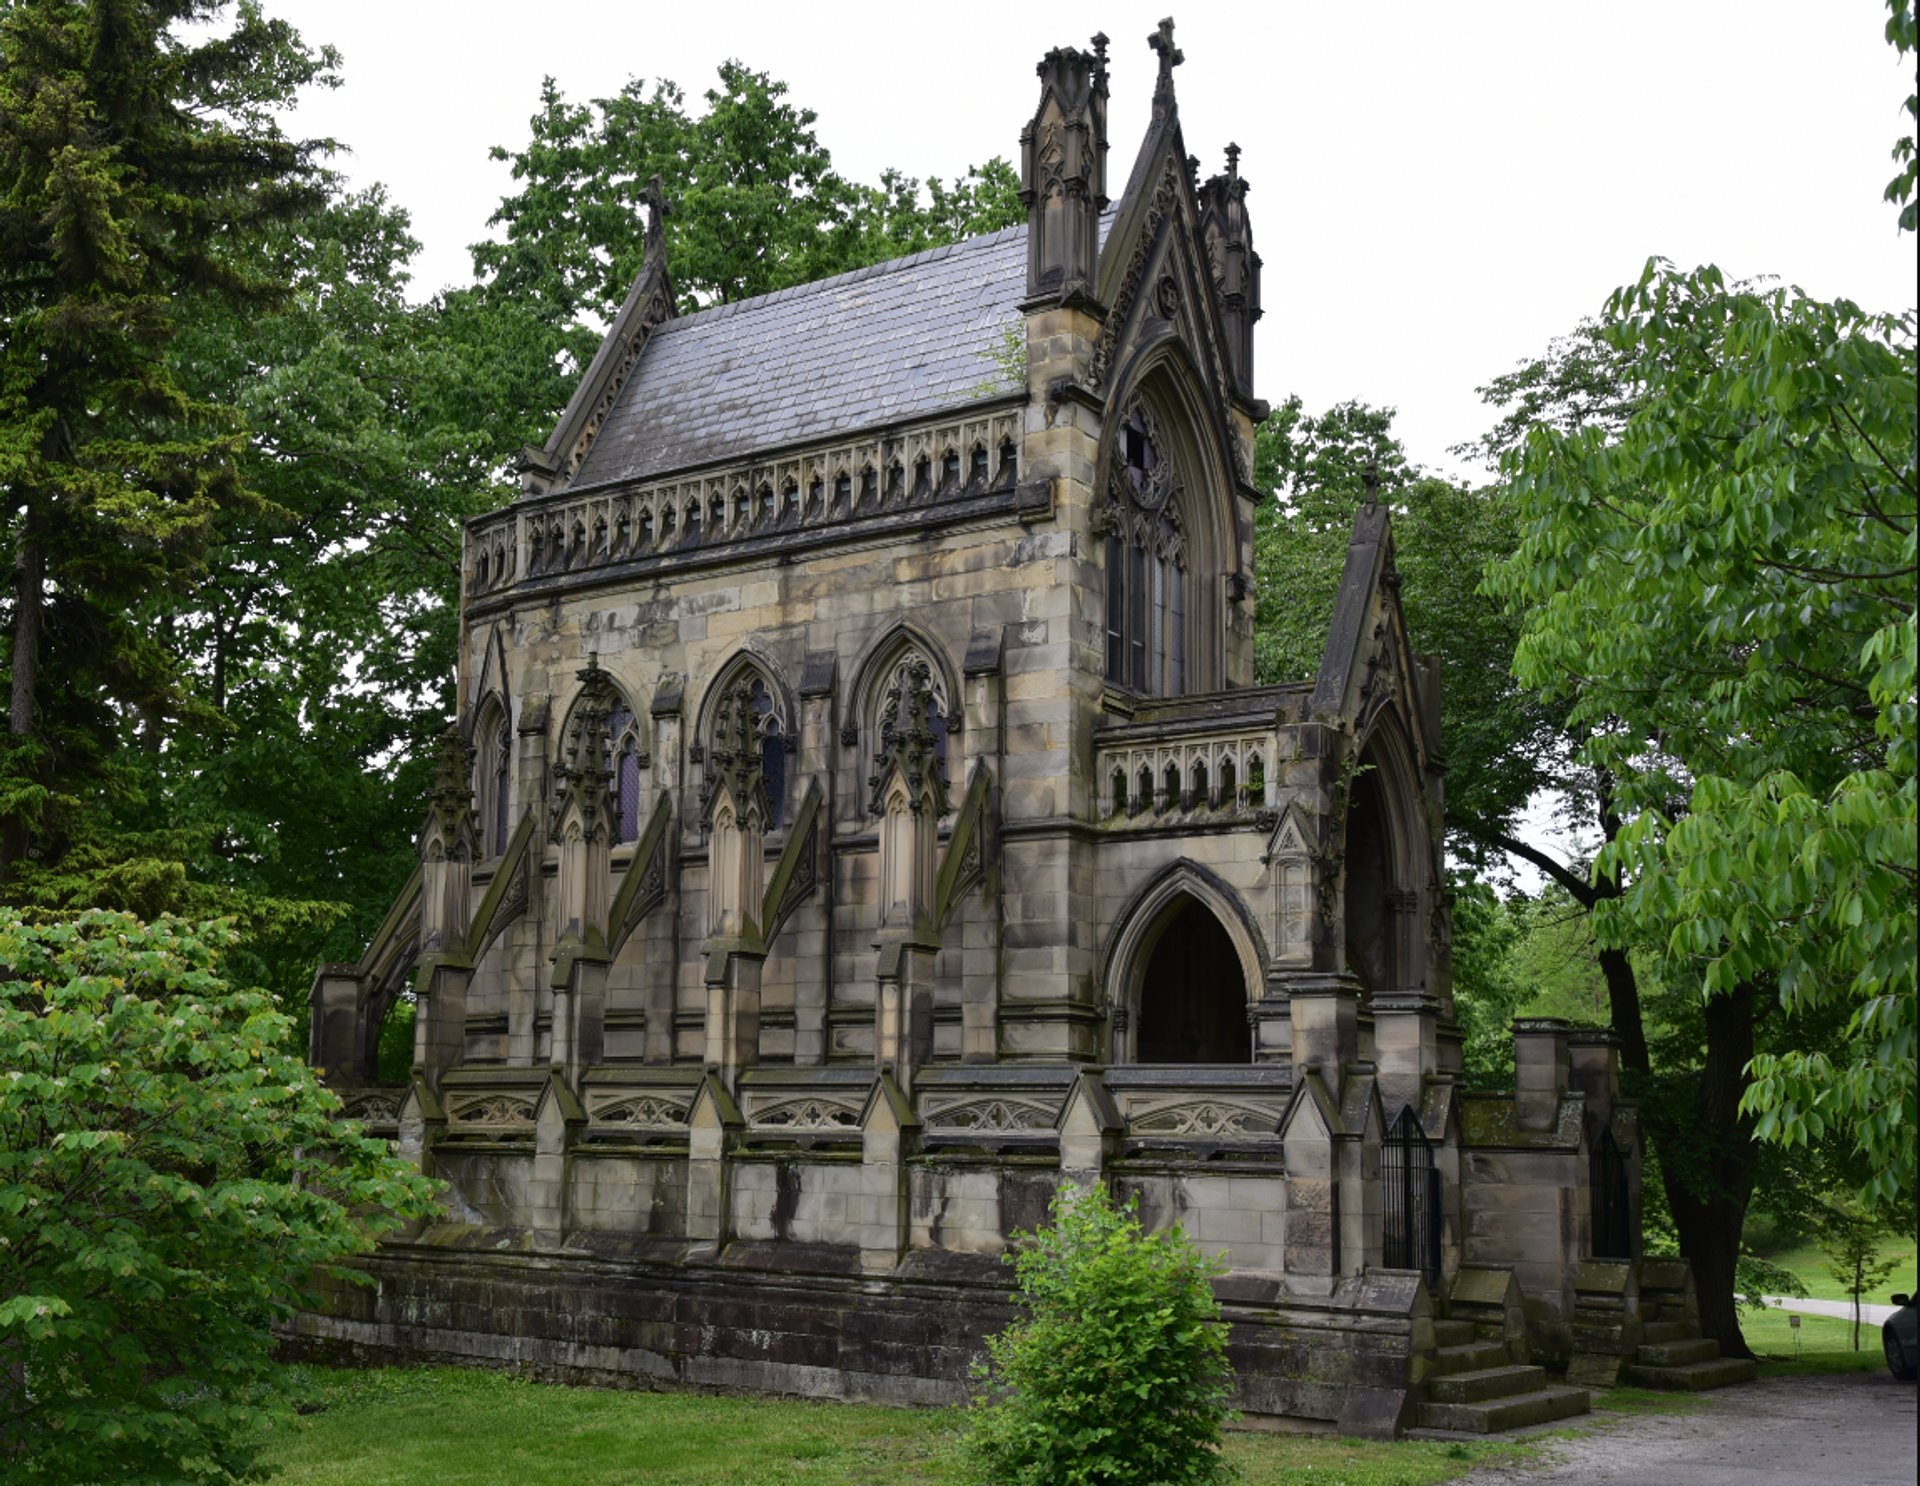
[170, 1174]
[756, 202]
[134, 166]
[1118, 1370]
[1723, 592]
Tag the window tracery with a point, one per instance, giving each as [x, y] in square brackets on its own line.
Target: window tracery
[913, 725]
[747, 746]
[492, 764]
[1146, 562]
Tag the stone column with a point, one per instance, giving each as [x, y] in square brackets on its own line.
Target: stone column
[711, 1126]
[881, 1223]
[336, 1041]
[733, 1011]
[1325, 1017]
[980, 926]
[558, 1116]
[1405, 1047]
[813, 919]
[440, 1020]
[1539, 1070]
[903, 1008]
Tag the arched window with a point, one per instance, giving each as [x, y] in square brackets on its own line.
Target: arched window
[745, 691]
[773, 749]
[492, 763]
[623, 738]
[1146, 565]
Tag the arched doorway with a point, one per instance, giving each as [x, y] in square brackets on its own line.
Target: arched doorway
[1193, 996]
[1371, 951]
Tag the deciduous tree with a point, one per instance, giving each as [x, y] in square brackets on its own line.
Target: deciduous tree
[171, 1178]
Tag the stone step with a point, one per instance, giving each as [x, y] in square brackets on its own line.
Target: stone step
[1542, 1406]
[1470, 1357]
[1692, 1377]
[1486, 1383]
[1452, 1333]
[1655, 1333]
[1677, 1353]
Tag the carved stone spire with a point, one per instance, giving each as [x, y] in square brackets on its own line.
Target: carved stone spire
[1063, 172]
[1171, 57]
[1227, 235]
[450, 820]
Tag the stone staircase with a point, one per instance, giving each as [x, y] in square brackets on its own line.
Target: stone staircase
[1477, 1387]
[1480, 1380]
[1672, 1353]
[1670, 1358]
[1636, 1321]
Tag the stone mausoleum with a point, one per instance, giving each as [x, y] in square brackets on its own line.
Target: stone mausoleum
[862, 818]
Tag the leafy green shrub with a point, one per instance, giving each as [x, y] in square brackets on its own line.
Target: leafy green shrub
[170, 1176]
[1118, 1373]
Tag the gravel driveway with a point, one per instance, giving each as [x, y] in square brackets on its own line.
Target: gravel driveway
[1854, 1429]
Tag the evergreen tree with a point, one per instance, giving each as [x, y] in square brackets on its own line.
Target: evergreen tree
[140, 154]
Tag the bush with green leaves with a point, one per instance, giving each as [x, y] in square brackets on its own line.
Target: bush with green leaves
[172, 1175]
[1118, 1372]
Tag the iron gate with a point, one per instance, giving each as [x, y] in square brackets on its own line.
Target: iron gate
[1412, 1205]
[1612, 1215]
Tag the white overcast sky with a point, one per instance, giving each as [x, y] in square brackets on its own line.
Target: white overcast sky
[1438, 189]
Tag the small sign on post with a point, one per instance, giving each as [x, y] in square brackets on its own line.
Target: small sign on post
[1793, 1325]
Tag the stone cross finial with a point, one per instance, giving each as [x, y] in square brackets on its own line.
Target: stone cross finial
[1170, 57]
[653, 197]
[1370, 479]
[1100, 50]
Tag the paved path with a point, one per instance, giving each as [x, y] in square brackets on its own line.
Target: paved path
[1849, 1429]
[1869, 1314]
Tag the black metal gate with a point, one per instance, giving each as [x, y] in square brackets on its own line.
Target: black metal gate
[1412, 1206]
[1612, 1214]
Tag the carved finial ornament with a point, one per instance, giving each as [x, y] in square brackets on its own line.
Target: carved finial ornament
[907, 742]
[451, 794]
[736, 758]
[585, 773]
[1171, 57]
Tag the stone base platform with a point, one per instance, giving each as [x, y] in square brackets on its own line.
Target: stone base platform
[804, 1321]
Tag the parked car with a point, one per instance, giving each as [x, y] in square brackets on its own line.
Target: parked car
[1901, 1338]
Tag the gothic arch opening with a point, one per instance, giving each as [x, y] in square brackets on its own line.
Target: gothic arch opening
[1193, 993]
[1167, 526]
[1370, 948]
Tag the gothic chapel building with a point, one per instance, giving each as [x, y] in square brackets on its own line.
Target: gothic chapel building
[862, 818]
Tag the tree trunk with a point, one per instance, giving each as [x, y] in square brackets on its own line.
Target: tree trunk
[1710, 1211]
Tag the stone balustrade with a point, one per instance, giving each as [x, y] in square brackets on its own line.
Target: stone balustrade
[917, 469]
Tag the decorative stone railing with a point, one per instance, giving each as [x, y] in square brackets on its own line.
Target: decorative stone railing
[1217, 754]
[376, 1107]
[1001, 1107]
[491, 1105]
[647, 1106]
[1192, 1109]
[916, 469]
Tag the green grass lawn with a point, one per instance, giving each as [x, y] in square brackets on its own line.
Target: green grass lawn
[455, 1427]
[1825, 1343]
[1807, 1262]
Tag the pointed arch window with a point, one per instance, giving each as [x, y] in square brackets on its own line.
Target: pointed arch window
[493, 762]
[1146, 559]
[747, 694]
[629, 758]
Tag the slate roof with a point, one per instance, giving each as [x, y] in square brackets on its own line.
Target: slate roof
[898, 340]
